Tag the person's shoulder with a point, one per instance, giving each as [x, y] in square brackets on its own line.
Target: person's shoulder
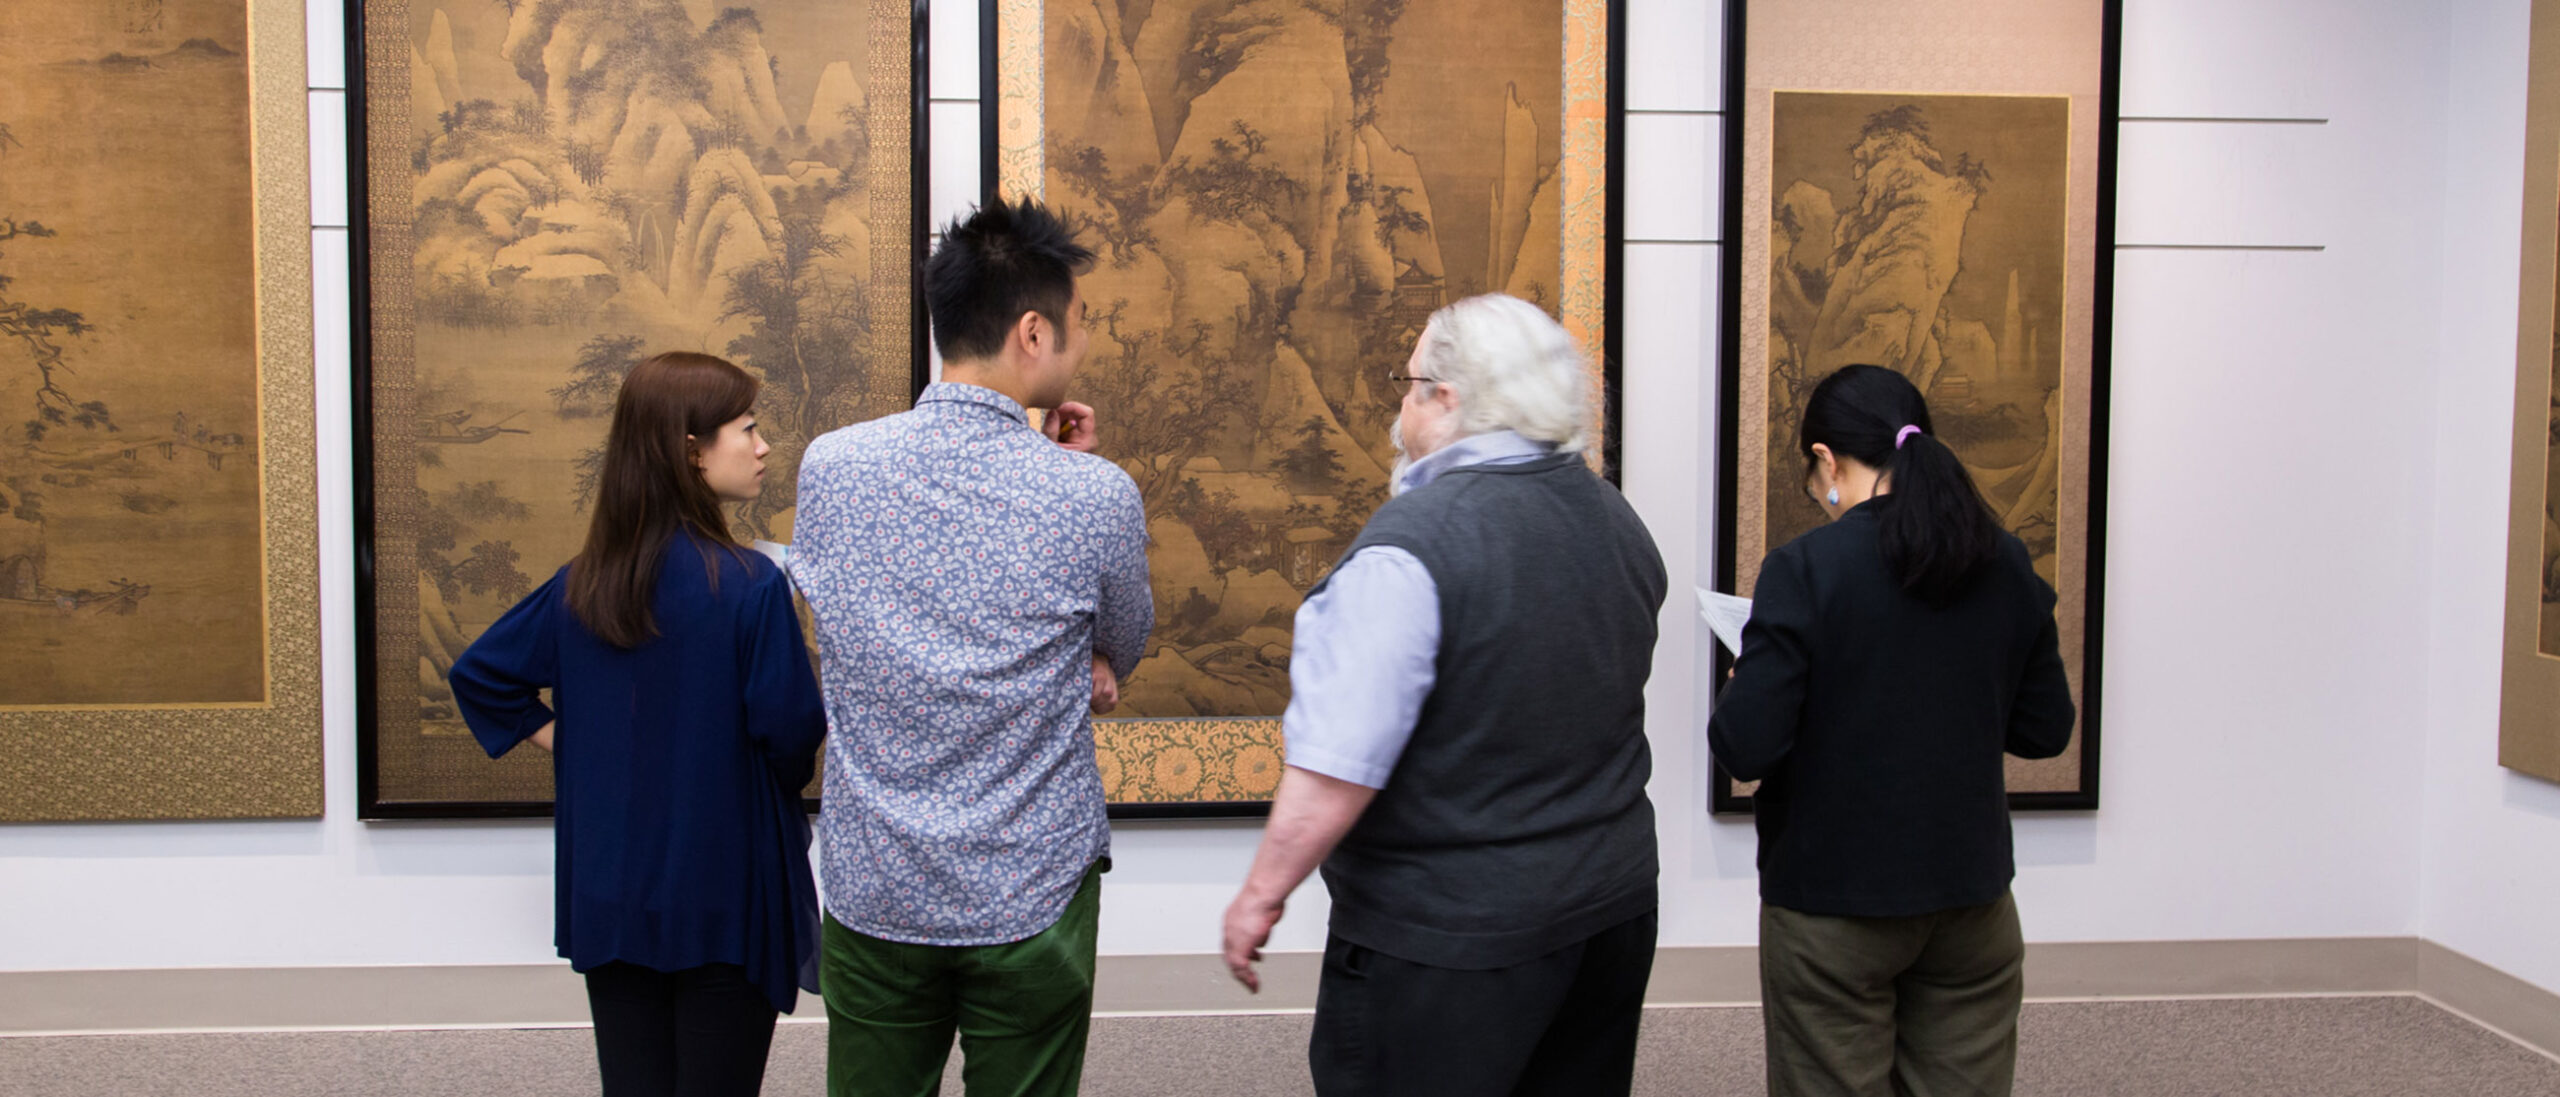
[551, 595]
[2018, 562]
[860, 456]
[746, 577]
[758, 569]
[1582, 476]
[853, 439]
[1093, 473]
[1490, 485]
[2013, 551]
[1828, 538]
[765, 580]
[854, 435]
[1418, 518]
[826, 449]
[837, 439]
[1454, 489]
[1398, 507]
[733, 560]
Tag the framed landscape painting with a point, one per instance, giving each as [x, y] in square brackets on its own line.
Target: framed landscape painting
[2529, 695]
[159, 527]
[549, 193]
[1927, 187]
[1281, 193]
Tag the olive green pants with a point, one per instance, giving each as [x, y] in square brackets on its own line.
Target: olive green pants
[1021, 1009]
[1925, 1006]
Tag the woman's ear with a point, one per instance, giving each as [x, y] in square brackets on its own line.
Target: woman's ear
[693, 450]
[1823, 460]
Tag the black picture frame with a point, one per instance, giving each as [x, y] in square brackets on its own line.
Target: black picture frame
[370, 803]
[1613, 263]
[1723, 800]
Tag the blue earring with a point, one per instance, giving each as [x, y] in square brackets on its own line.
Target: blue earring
[1833, 497]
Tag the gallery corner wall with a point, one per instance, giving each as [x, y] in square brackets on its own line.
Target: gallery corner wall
[2489, 881]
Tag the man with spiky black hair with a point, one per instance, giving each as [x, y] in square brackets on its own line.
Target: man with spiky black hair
[979, 591]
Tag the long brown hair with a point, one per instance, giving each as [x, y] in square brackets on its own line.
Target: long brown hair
[649, 488]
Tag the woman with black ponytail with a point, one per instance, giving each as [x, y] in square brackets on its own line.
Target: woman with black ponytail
[1892, 658]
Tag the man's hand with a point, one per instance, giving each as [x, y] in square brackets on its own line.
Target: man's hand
[1309, 815]
[1071, 426]
[1249, 923]
[1106, 687]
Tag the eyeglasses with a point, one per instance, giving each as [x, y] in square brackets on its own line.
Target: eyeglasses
[1402, 382]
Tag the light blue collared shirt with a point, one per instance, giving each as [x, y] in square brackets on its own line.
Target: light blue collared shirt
[1366, 644]
[963, 571]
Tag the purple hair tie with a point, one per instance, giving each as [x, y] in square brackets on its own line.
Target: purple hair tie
[1905, 435]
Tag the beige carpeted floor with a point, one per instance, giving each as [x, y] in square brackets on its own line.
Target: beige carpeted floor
[2296, 1047]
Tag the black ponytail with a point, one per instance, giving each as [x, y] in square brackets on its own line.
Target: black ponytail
[1935, 528]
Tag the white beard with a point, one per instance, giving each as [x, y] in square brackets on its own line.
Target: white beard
[1395, 475]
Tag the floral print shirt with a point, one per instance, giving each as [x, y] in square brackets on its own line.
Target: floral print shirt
[963, 571]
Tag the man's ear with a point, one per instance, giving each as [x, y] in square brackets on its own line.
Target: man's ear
[1031, 329]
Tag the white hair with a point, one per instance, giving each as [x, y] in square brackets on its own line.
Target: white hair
[1514, 368]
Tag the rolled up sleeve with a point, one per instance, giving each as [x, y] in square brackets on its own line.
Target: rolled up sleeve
[786, 717]
[1126, 610]
[498, 682]
[1361, 666]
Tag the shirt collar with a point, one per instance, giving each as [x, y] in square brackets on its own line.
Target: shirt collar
[954, 392]
[1475, 449]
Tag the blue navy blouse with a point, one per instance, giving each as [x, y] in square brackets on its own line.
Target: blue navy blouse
[680, 836]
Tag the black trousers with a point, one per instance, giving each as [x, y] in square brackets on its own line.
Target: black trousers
[700, 1032]
[1564, 1023]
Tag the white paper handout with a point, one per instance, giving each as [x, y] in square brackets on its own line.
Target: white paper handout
[1725, 615]
[776, 551]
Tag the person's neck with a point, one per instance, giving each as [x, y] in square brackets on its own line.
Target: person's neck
[1860, 483]
[992, 374]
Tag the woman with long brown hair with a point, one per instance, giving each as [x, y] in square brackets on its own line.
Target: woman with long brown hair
[688, 722]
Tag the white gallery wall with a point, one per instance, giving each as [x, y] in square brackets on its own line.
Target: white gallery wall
[2490, 882]
[2306, 484]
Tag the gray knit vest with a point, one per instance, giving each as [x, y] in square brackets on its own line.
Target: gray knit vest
[1516, 821]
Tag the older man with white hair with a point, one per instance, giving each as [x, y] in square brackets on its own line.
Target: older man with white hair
[1466, 751]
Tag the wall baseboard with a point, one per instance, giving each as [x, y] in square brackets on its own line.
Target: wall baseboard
[550, 995]
[2518, 1010]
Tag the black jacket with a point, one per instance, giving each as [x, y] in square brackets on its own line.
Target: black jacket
[1876, 722]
